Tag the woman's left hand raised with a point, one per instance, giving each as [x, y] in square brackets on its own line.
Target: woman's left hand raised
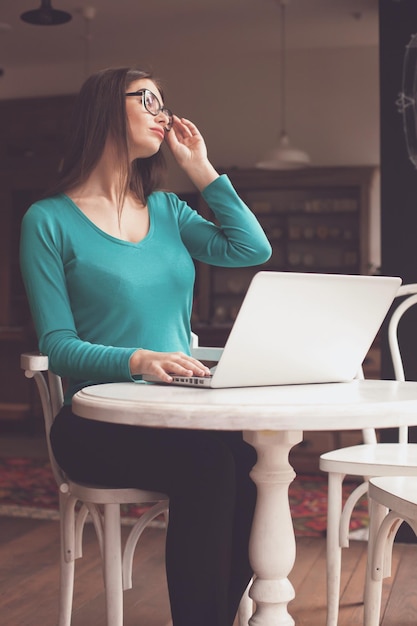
[189, 150]
[186, 142]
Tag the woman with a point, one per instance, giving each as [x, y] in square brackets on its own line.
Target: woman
[107, 261]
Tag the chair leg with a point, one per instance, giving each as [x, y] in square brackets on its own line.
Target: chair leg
[66, 592]
[67, 563]
[113, 565]
[373, 583]
[334, 551]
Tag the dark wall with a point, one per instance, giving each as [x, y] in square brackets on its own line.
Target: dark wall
[398, 23]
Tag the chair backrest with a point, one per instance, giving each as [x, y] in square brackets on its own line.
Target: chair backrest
[51, 394]
[408, 294]
[203, 353]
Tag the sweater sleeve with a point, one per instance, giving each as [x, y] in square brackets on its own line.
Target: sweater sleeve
[42, 266]
[237, 241]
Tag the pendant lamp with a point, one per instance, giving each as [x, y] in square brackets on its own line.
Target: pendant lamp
[284, 156]
[46, 15]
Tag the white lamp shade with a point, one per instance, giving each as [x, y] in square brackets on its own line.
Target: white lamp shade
[284, 157]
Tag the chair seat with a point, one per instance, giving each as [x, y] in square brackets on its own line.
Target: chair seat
[397, 493]
[379, 459]
[106, 495]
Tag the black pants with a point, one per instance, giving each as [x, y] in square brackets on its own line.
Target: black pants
[212, 500]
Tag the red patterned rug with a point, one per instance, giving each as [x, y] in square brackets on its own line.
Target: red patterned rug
[28, 489]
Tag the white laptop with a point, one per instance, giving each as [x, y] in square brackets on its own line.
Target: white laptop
[295, 328]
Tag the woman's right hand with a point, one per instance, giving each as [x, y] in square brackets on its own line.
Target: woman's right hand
[163, 364]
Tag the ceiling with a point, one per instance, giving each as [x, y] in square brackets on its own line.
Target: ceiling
[129, 29]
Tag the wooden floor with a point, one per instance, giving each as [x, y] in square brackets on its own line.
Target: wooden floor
[29, 576]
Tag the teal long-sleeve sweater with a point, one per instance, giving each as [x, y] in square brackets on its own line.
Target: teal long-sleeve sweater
[95, 299]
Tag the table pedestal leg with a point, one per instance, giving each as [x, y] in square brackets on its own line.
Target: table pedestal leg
[272, 543]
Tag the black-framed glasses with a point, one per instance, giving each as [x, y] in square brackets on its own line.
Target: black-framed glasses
[153, 106]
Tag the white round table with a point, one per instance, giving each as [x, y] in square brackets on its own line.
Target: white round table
[272, 420]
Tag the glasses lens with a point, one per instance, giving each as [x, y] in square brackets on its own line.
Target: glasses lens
[153, 106]
[151, 102]
[170, 118]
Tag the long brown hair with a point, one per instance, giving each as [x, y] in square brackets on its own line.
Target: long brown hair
[99, 113]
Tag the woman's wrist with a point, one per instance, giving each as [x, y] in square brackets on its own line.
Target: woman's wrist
[135, 362]
[202, 174]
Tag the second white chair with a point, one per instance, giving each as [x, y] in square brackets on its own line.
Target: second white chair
[393, 500]
[367, 460]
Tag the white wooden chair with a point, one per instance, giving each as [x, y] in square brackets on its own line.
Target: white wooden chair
[102, 504]
[393, 500]
[370, 459]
